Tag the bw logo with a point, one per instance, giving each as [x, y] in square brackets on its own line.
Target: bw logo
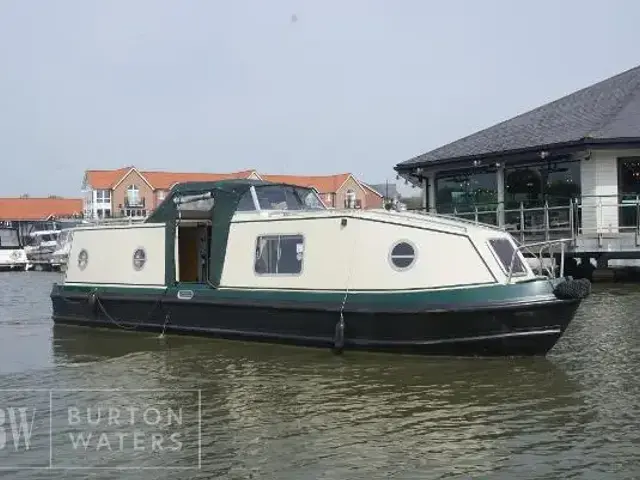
[16, 427]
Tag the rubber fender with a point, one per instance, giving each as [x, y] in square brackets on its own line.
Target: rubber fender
[338, 337]
[573, 289]
[92, 301]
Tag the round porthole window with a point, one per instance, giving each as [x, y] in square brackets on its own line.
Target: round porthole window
[139, 259]
[402, 256]
[83, 259]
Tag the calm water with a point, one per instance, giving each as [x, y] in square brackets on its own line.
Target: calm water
[287, 413]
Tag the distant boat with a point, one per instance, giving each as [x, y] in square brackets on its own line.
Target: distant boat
[253, 260]
[60, 254]
[12, 254]
[40, 247]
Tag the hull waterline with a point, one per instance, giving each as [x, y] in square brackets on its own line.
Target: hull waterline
[522, 327]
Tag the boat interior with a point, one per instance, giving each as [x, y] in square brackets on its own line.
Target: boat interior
[194, 245]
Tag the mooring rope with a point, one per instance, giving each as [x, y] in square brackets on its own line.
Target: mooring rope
[338, 338]
[158, 301]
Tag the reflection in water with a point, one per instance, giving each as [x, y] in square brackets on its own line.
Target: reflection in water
[280, 412]
[268, 405]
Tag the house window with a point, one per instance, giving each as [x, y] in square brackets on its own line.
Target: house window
[402, 256]
[161, 195]
[133, 212]
[505, 252]
[279, 255]
[103, 196]
[103, 213]
[133, 195]
[350, 199]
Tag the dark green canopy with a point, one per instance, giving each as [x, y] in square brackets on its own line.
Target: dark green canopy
[226, 195]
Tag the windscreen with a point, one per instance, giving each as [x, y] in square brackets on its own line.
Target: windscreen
[506, 254]
[9, 239]
[282, 197]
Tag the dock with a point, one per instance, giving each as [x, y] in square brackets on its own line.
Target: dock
[615, 245]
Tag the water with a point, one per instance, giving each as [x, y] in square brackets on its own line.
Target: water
[277, 412]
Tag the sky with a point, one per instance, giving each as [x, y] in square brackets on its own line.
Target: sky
[282, 86]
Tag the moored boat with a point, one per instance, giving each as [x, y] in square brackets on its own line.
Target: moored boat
[12, 254]
[253, 260]
[60, 254]
[40, 247]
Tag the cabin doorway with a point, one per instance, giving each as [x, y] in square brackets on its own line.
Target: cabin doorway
[194, 245]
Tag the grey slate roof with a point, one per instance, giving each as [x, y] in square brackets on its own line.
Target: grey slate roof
[609, 109]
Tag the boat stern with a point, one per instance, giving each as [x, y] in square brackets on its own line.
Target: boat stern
[13, 260]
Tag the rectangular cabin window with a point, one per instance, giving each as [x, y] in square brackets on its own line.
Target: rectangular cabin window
[9, 238]
[505, 252]
[279, 255]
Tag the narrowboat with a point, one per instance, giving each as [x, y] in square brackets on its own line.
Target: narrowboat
[259, 261]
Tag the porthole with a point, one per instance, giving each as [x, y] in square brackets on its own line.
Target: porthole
[402, 255]
[83, 259]
[139, 259]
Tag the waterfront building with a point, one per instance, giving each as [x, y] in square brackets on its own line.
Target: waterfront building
[29, 214]
[570, 168]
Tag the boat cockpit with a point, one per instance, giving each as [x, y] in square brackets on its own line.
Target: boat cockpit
[197, 209]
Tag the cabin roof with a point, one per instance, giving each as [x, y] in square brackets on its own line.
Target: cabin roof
[239, 184]
[226, 194]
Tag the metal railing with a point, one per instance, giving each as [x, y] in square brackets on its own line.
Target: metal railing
[548, 244]
[593, 216]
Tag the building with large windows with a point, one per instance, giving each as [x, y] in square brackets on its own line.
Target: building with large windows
[572, 164]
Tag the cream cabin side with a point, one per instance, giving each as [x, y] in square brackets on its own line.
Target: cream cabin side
[315, 253]
[127, 255]
[359, 253]
[407, 256]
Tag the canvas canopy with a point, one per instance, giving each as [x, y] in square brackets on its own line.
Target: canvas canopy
[214, 201]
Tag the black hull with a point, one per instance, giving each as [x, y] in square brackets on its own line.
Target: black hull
[516, 329]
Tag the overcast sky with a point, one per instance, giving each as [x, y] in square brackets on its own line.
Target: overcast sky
[283, 86]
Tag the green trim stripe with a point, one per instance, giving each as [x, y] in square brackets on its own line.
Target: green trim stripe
[541, 288]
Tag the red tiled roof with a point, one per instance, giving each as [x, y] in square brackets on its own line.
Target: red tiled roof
[39, 208]
[107, 179]
[322, 183]
[165, 180]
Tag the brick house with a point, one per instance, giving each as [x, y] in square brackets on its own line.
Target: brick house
[129, 192]
[335, 190]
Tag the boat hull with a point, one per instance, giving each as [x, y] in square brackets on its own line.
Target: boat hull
[522, 326]
[12, 267]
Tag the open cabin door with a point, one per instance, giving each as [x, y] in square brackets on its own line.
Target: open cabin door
[188, 208]
[193, 224]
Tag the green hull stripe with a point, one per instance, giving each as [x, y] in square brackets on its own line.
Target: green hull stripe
[457, 296]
